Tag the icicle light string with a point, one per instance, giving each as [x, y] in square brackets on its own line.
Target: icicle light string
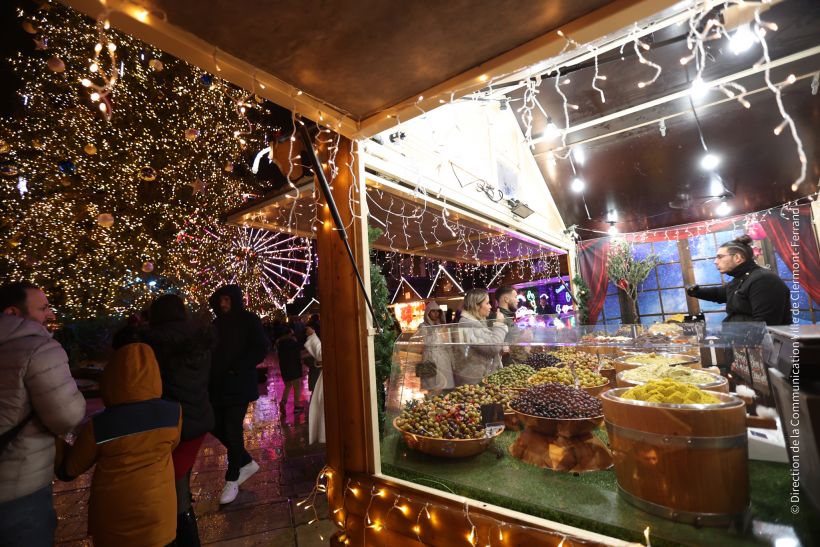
[597, 76]
[706, 227]
[760, 30]
[637, 45]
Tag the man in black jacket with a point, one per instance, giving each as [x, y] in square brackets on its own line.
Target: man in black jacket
[754, 293]
[242, 345]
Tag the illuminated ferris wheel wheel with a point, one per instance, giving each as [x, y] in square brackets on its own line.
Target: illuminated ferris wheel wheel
[272, 267]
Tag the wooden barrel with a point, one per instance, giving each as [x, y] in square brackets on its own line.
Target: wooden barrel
[687, 463]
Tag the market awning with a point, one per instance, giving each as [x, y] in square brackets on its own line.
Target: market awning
[417, 225]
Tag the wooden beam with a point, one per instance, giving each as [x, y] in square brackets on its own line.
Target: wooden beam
[133, 19]
[426, 253]
[615, 16]
[346, 347]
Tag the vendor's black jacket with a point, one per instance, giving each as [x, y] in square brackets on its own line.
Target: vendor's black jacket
[755, 294]
[183, 351]
[242, 345]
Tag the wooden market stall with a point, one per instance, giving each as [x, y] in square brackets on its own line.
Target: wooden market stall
[365, 71]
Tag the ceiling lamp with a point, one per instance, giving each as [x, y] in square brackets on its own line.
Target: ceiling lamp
[613, 230]
[723, 209]
[577, 185]
[709, 161]
[742, 40]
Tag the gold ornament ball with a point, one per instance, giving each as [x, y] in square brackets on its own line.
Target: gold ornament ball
[228, 167]
[29, 27]
[105, 220]
[38, 144]
[192, 134]
[148, 174]
[65, 181]
[90, 149]
[4, 147]
[55, 64]
[156, 64]
[14, 241]
[147, 267]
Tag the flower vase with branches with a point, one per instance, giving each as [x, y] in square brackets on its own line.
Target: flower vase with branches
[627, 272]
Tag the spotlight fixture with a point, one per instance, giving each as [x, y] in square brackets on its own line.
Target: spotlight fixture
[577, 185]
[742, 40]
[723, 209]
[709, 161]
[699, 88]
[519, 209]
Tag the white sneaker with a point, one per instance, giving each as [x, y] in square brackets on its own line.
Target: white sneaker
[246, 472]
[229, 492]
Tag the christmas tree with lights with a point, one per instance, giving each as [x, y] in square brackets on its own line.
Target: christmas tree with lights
[116, 173]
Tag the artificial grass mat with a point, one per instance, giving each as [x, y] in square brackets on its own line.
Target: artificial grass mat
[590, 500]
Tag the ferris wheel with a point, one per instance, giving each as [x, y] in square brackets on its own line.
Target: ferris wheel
[272, 268]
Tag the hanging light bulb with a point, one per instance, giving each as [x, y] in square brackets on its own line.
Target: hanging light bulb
[723, 209]
[742, 40]
[709, 161]
[699, 88]
[579, 155]
[577, 185]
[613, 230]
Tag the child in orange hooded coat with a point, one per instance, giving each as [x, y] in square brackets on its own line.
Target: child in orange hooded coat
[133, 499]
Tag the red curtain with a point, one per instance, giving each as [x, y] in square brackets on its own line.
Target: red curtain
[592, 258]
[794, 227]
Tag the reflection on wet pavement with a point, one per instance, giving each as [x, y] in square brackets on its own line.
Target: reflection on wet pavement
[265, 512]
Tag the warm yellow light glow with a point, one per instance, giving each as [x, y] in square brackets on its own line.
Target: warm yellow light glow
[103, 107]
[94, 67]
[404, 509]
[483, 78]
[141, 15]
[95, 96]
[646, 535]
[112, 47]
[417, 529]
[86, 82]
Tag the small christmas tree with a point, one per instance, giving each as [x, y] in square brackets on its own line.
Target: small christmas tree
[626, 272]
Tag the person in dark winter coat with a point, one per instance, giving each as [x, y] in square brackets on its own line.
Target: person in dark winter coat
[754, 293]
[242, 345]
[183, 351]
[290, 365]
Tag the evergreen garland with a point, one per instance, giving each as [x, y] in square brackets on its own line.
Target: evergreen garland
[387, 333]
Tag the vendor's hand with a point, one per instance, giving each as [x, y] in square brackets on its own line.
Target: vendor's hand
[692, 290]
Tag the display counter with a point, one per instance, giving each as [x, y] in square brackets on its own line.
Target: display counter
[680, 469]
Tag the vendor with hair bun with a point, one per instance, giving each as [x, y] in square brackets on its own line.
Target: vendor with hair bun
[754, 293]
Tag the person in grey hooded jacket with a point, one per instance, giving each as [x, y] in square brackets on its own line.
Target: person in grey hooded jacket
[39, 400]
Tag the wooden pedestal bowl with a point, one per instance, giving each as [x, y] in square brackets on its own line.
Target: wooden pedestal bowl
[446, 448]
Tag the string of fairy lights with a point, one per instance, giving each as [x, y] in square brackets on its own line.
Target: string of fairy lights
[423, 518]
[705, 24]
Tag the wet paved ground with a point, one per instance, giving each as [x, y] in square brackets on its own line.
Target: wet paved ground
[265, 512]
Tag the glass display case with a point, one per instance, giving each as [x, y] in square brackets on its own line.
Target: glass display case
[610, 429]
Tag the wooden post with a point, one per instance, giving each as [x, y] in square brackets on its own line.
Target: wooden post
[346, 349]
